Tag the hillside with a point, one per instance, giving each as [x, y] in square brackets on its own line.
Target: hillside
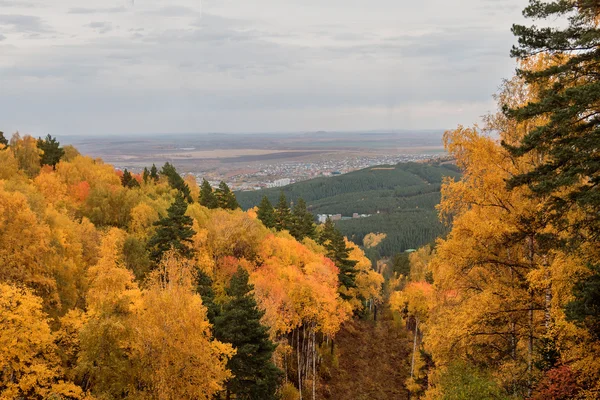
[372, 361]
[401, 199]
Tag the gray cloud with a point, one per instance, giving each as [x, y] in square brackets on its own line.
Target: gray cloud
[273, 65]
[83, 10]
[24, 23]
[17, 3]
[100, 27]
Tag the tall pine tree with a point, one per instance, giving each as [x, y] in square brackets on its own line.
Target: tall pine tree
[174, 232]
[207, 196]
[283, 215]
[3, 140]
[154, 173]
[146, 175]
[567, 89]
[337, 251]
[225, 197]
[128, 181]
[176, 181]
[568, 100]
[266, 213]
[255, 375]
[303, 224]
[52, 151]
[205, 290]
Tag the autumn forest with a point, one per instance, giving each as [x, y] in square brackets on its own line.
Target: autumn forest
[150, 285]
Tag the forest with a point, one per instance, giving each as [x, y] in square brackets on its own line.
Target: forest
[119, 285]
[401, 199]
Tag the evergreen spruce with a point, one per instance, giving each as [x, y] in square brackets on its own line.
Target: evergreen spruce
[266, 213]
[569, 102]
[283, 215]
[174, 232]
[225, 197]
[146, 175]
[154, 173]
[585, 308]
[205, 290]
[255, 375]
[52, 151]
[303, 224]
[337, 251]
[3, 140]
[207, 197]
[128, 181]
[176, 181]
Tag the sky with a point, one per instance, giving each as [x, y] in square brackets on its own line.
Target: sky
[94, 67]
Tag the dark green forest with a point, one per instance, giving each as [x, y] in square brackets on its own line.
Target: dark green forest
[401, 199]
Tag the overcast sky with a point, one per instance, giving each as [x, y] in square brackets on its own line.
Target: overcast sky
[150, 66]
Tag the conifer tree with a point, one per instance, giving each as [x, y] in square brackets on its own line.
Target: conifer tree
[176, 181]
[174, 231]
[52, 151]
[146, 175]
[568, 100]
[154, 173]
[266, 213]
[128, 181]
[207, 197]
[585, 308]
[3, 140]
[283, 215]
[205, 290]
[302, 221]
[225, 197]
[337, 251]
[255, 375]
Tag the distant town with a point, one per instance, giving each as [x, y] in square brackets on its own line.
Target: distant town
[284, 173]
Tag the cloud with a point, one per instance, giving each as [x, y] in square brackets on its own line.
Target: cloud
[272, 64]
[100, 27]
[24, 23]
[83, 10]
[17, 3]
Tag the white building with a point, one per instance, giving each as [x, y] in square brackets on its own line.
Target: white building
[279, 183]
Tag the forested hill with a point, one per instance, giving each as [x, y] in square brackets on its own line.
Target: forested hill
[401, 199]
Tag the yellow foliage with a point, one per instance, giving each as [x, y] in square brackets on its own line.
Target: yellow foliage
[173, 339]
[28, 357]
[25, 248]
[368, 282]
[373, 239]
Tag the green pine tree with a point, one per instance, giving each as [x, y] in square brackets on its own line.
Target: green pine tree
[303, 224]
[334, 243]
[585, 308]
[174, 232]
[266, 213]
[176, 181]
[569, 102]
[225, 197]
[52, 151]
[207, 197]
[255, 375]
[3, 140]
[154, 173]
[128, 181]
[283, 215]
[146, 175]
[205, 290]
